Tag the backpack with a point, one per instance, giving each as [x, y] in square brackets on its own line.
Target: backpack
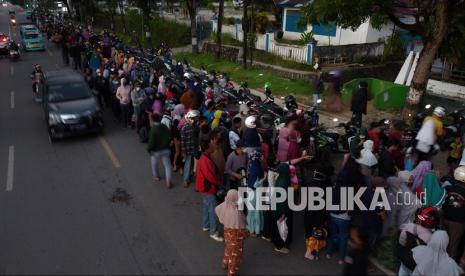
[405, 253]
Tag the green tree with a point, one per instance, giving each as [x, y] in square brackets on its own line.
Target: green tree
[440, 23]
[145, 6]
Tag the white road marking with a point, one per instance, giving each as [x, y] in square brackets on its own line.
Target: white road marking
[109, 152]
[11, 169]
[12, 70]
[12, 100]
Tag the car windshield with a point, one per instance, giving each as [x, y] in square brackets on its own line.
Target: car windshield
[31, 35]
[68, 92]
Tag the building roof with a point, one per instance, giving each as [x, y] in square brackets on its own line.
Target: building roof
[293, 3]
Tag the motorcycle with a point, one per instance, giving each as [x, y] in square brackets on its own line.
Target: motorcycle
[15, 53]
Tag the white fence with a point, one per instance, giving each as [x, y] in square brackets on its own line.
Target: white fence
[266, 42]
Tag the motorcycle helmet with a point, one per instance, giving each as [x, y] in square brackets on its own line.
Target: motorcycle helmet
[251, 122]
[290, 102]
[187, 75]
[439, 111]
[192, 115]
[427, 217]
[459, 174]
[266, 121]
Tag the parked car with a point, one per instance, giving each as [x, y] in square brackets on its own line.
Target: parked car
[4, 42]
[31, 38]
[69, 106]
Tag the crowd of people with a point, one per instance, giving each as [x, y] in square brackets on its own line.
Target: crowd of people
[191, 133]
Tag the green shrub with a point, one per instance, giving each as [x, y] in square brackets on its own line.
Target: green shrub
[394, 48]
[229, 20]
[261, 22]
[306, 37]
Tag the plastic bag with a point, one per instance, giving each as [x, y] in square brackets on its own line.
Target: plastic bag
[282, 228]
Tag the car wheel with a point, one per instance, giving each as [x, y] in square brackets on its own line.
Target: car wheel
[51, 138]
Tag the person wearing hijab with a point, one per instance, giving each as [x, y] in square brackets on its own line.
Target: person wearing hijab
[403, 205]
[356, 145]
[254, 167]
[432, 259]
[251, 137]
[433, 193]
[284, 140]
[409, 202]
[367, 161]
[282, 211]
[419, 172]
[367, 158]
[235, 231]
[255, 217]
[294, 151]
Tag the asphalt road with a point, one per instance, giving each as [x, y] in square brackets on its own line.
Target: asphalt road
[55, 212]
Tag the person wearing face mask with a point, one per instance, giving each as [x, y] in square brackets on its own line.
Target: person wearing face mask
[101, 87]
[123, 95]
[137, 97]
[114, 84]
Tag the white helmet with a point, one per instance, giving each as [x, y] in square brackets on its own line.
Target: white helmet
[439, 111]
[191, 115]
[250, 122]
[459, 174]
[187, 75]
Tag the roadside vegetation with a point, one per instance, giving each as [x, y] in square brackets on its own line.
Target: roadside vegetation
[256, 78]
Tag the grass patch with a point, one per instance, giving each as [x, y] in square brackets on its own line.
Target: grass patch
[255, 77]
[263, 56]
[226, 39]
[163, 31]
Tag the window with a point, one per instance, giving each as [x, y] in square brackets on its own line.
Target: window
[326, 30]
[31, 36]
[292, 18]
[68, 92]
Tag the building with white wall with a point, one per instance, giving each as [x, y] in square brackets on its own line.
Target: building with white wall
[328, 34]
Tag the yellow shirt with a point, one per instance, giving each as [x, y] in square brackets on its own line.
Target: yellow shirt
[438, 127]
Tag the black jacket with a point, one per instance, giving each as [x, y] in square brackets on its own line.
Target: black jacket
[359, 101]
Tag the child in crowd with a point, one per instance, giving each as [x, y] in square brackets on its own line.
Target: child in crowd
[316, 243]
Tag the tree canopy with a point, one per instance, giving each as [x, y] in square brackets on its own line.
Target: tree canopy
[421, 15]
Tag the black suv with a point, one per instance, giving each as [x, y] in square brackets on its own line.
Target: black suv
[69, 105]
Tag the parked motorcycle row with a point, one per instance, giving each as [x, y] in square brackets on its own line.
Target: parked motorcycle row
[270, 116]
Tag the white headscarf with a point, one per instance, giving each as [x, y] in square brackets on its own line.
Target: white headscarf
[432, 259]
[426, 134]
[367, 157]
